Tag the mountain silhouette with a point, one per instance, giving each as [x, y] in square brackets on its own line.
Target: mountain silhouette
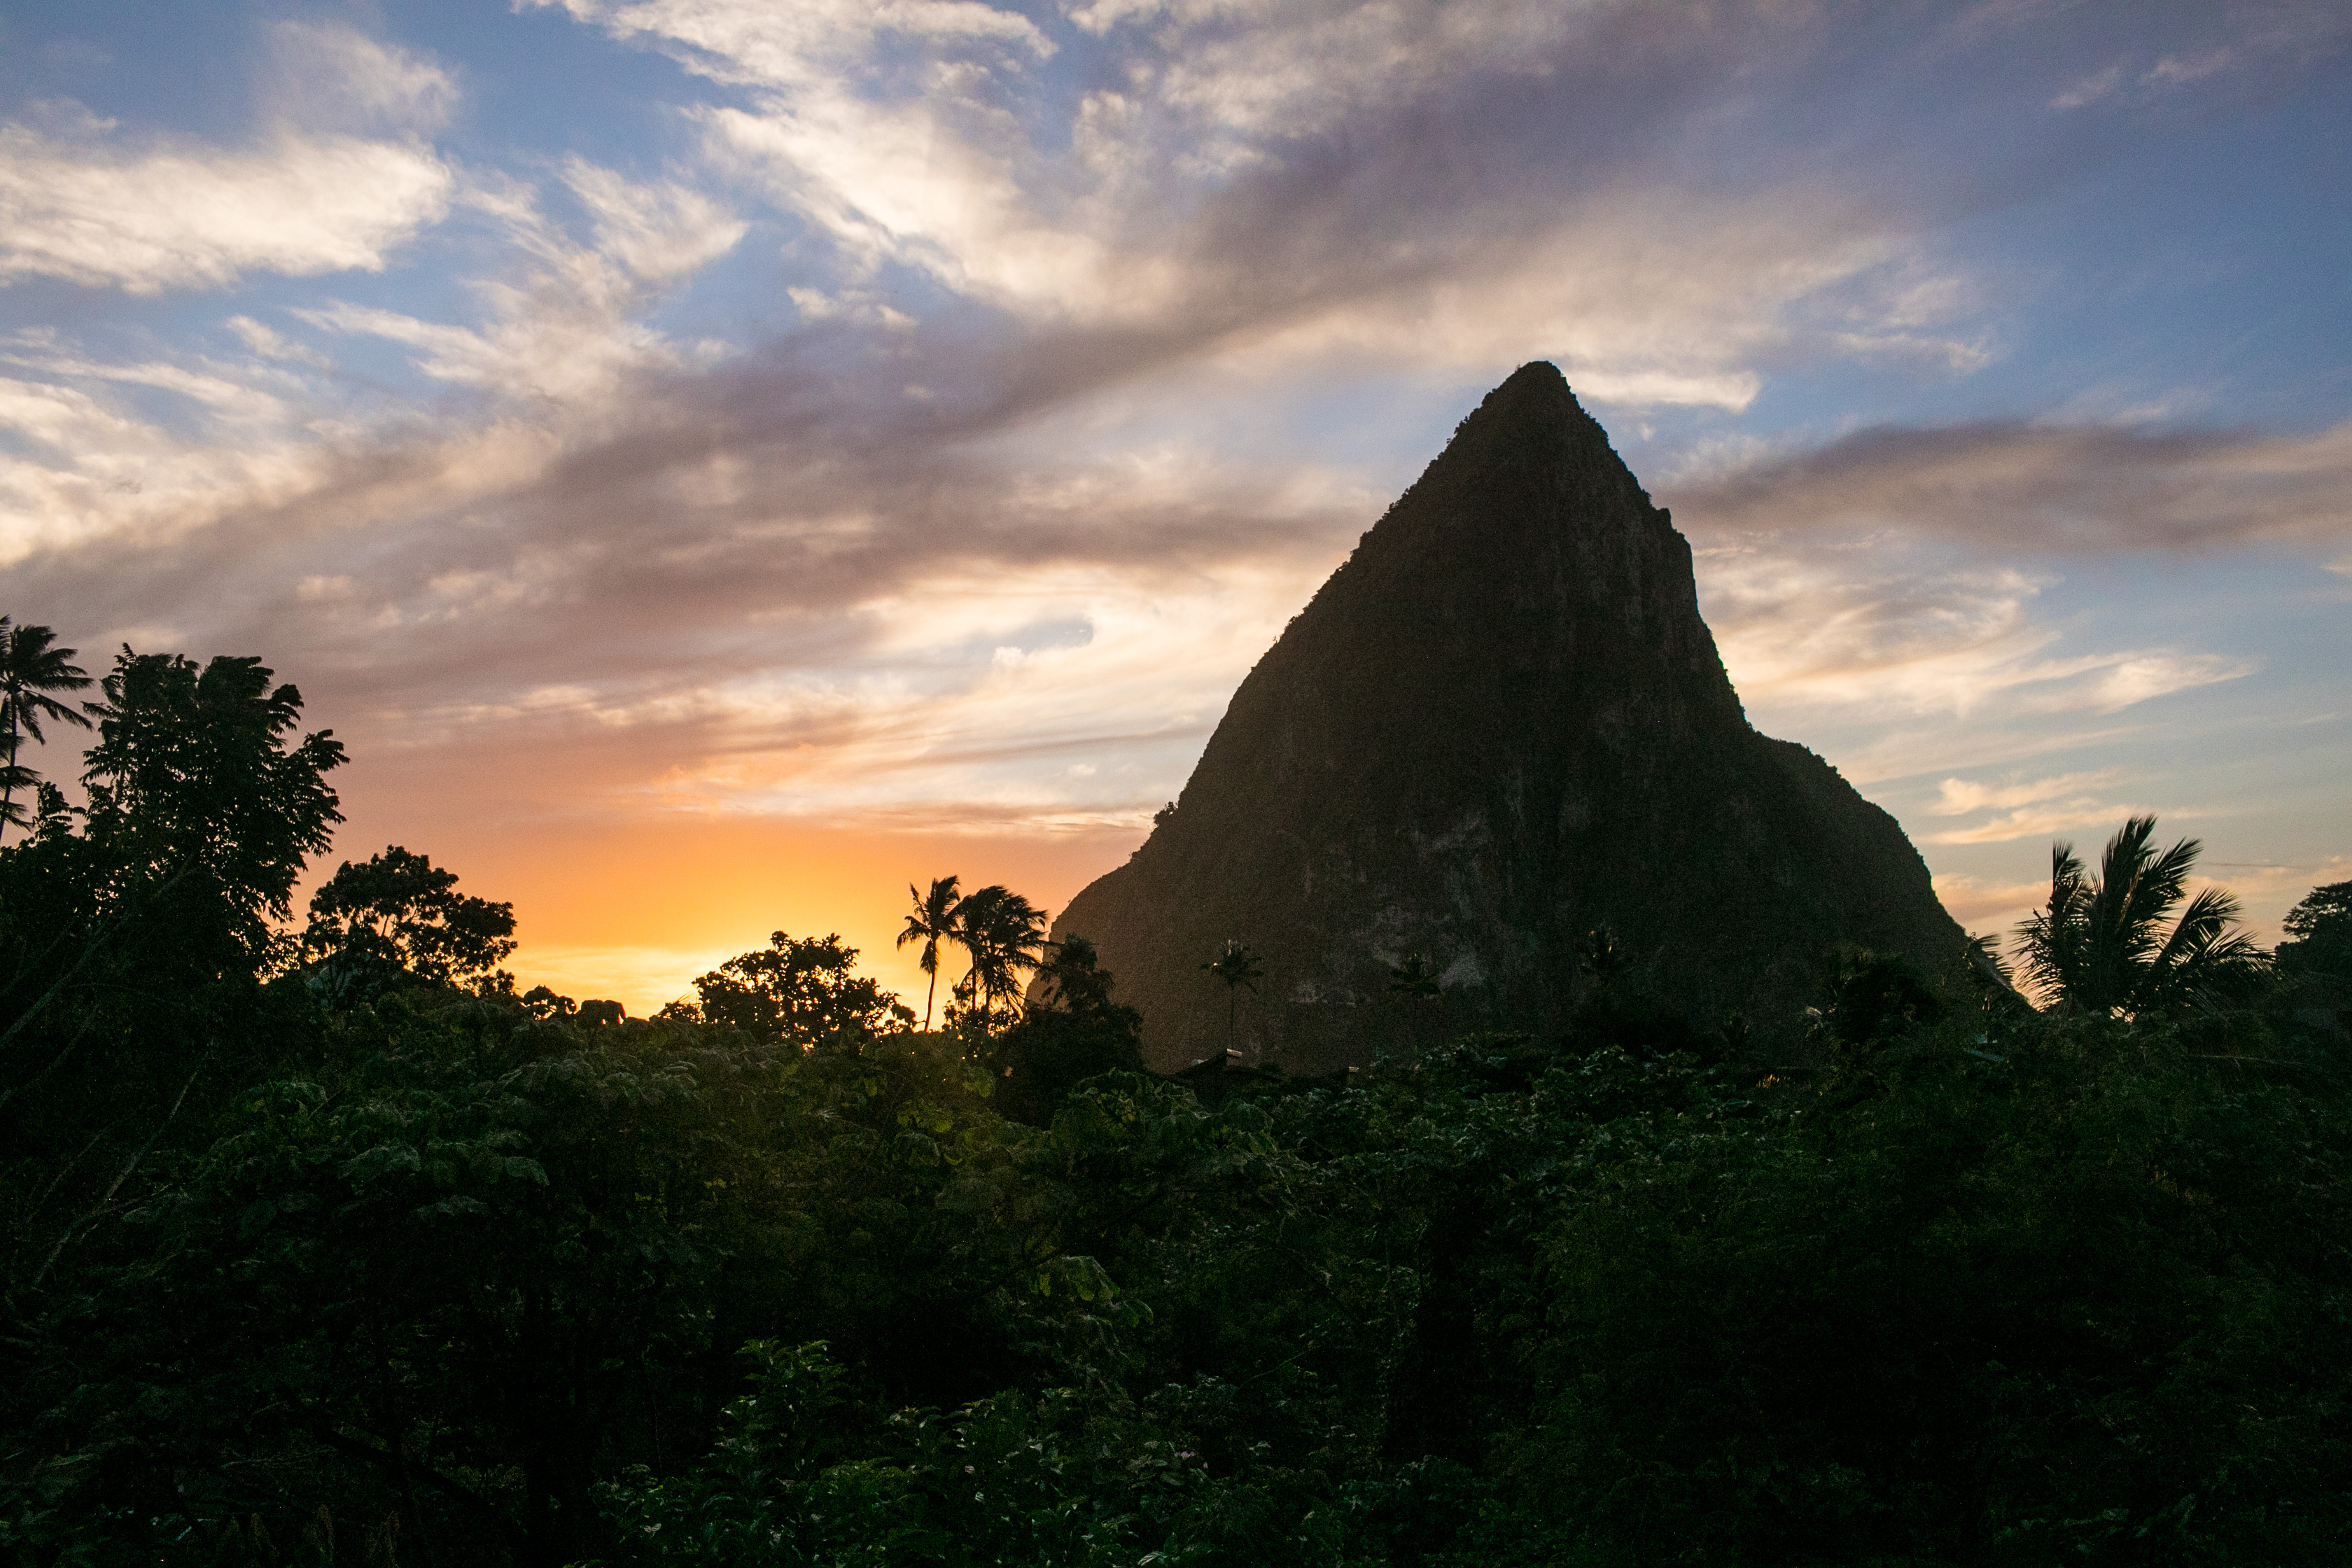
[1500, 725]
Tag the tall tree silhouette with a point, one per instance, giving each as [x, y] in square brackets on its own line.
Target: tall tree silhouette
[193, 784]
[398, 914]
[1239, 969]
[1415, 979]
[1413, 982]
[2319, 932]
[1004, 934]
[801, 990]
[937, 919]
[29, 670]
[1070, 1031]
[2101, 946]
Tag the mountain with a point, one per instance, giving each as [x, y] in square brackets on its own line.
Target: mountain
[1499, 725]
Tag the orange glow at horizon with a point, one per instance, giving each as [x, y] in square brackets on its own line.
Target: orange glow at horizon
[633, 908]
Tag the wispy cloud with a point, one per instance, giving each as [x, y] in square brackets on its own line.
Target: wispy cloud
[2036, 822]
[1961, 796]
[2047, 490]
[568, 324]
[88, 209]
[2025, 807]
[877, 554]
[2228, 41]
[1872, 624]
[330, 76]
[1993, 907]
[1246, 189]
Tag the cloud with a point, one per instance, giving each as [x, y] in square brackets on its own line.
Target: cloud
[1250, 77]
[1895, 576]
[1993, 907]
[86, 469]
[688, 587]
[2046, 490]
[1961, 796]
[743, 41]
[2242, 41]
[173, 216]
[613, 563]
[2027, 807]
[269, 343]
[331, 76]
[1874, 624]
[2035, 822]
[2099, 84]
[1019, 736]
[567, 324]
[1289, 185]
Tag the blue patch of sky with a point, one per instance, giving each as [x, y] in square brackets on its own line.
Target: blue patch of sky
[2195, 280]
[184, 68]
[1082, 63]
[1384, 429]
[539, 86]
[740, 299]
[1033, 637]
[536, 88]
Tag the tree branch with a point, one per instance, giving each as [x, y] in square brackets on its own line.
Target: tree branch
[324, 1430]
[120, 1177]
[87, 952]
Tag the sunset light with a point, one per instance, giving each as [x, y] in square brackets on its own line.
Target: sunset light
[1175, 783]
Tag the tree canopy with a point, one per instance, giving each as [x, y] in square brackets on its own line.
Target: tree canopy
[2319, 932]
[193, 776]
[395, 915]
[797, 988]
[431, 1271]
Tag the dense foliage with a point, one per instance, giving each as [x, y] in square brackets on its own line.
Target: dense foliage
[397, 916]
[302, 1268]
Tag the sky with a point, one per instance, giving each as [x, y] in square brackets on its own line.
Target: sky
[715, 462]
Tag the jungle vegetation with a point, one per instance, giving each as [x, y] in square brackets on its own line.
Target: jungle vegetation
[324, 1243]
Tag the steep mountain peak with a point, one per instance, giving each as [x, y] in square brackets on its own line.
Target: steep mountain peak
[1530, 429]
[1501, 724]
[1534, 409]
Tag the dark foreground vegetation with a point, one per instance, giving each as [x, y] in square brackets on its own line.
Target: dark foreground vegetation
[326, 1246]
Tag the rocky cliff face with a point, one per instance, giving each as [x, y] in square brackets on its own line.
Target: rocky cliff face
[1500, 724]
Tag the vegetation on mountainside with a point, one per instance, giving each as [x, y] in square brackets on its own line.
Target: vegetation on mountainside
[336, 1247]
[1237, 968]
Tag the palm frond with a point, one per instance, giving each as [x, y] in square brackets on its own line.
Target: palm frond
[2102, 945]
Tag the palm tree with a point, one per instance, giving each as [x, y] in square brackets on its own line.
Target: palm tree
[1414, 979]
[12, 779]
[1414, 983]
[935, 921]
[2100, 946]
[29, 669]
[1239, 968]
[1004, 934]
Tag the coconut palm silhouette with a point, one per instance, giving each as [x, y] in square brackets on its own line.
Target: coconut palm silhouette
[2100, 945]
[1239, 969]
[935, 921]
[30, 668]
